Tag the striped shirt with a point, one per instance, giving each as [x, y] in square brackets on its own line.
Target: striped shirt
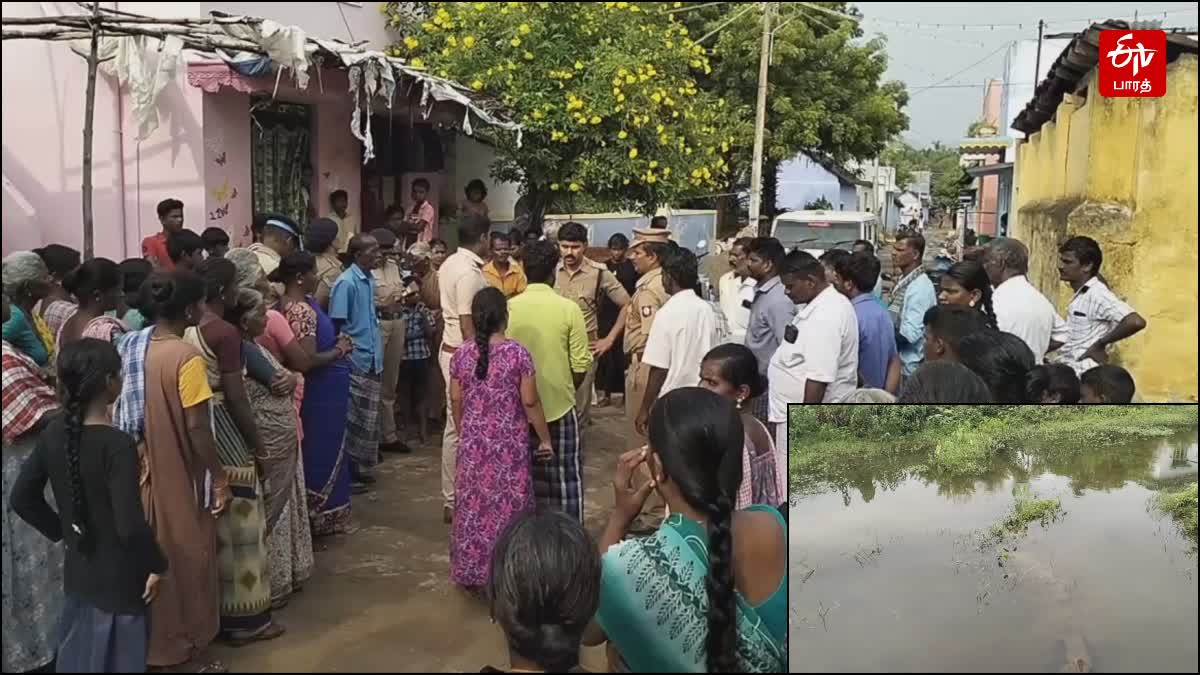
[1093, 312]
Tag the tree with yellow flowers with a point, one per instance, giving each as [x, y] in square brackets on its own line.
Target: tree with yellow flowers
[607, 92]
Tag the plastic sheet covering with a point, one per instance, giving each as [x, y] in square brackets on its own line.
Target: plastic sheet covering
[129, 60]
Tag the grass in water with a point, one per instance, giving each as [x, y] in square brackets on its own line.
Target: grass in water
[1027, 510]
[1181, 506]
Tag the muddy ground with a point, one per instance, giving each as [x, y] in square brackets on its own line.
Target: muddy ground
[380, 598]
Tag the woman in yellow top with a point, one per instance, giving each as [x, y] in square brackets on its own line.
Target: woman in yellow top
[164, 405]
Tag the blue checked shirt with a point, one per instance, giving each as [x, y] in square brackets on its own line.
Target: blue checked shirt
[416, 342]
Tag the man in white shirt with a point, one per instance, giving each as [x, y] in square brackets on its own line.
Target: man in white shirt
[684, 331]
[1096, 317]
[459, 279]
[817, 362]
[736, 291]
[1021, 309]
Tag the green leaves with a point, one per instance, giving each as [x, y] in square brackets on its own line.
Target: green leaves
[608, 93]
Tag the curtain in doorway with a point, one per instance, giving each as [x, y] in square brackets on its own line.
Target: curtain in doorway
[281, 170]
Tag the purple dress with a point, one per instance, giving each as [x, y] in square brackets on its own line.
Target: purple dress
[493, 481]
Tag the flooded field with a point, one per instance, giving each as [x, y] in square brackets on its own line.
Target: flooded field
[900, 564]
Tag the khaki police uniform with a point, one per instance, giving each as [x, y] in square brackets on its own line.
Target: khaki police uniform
[586, 285]
[648, 297]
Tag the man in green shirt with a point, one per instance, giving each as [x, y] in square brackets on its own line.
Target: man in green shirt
[552, 328]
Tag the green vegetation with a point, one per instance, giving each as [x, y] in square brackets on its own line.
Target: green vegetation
[844, 446]
[1181, 506]
[1026, 510]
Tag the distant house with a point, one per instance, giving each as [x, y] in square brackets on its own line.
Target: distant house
[810, 178]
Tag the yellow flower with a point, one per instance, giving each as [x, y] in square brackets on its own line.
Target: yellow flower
[653, 164]
[683, 31]
[480, 6]
[656, 97]
[623, 135]
[516, 42]
[411, 42]
[724, 147]
[576, 187]
[633, 153]
[622, 5]
[620, 98]
[554, 187]
[651, 179]
[696, 173]
[452, 41]
[538, 114]
[417, 63]
[619, 108]
[477, 85]
[445, 51]
[630, 79]
[660, 129]
[469, 41]
[625, 182]
[595, 119]
[524, 29]
[428, 27]
[528, 56]
[579, 65]
[556, 134]
[666, 171]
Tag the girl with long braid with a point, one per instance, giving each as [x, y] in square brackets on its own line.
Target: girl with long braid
[966, 283]
[494, 400]
[707, 592]
[113, 564]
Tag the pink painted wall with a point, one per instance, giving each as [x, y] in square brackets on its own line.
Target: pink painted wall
[43, 141]
[227, 165]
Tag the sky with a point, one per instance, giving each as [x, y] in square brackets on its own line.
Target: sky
[959, 61]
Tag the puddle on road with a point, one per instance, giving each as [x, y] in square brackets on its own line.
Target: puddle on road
[892, 568]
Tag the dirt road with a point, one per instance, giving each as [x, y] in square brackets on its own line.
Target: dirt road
[380, 598]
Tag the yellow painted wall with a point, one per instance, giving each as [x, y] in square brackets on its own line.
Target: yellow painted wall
[1124, 172]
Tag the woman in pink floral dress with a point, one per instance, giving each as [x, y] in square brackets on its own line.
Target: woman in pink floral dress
[494, 399]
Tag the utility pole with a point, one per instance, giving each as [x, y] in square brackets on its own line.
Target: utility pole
[760, 120]
[1037, 65]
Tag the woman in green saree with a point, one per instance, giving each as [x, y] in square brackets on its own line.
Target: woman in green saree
[707, 592]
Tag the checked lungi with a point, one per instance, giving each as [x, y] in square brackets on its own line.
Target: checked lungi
[363, 429]
[558, 482]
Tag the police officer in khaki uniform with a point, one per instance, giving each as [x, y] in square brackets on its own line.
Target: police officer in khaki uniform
[646, 253]
[586, 281]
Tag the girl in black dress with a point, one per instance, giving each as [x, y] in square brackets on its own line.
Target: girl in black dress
[113, 564]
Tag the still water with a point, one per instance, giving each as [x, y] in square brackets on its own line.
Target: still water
[891, 569]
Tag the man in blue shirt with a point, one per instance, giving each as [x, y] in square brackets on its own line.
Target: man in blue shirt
[771, 311]
[911, 298]
[878, 358]
[864, 246]
[352, 308]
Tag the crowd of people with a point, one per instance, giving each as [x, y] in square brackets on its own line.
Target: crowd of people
[201, 414]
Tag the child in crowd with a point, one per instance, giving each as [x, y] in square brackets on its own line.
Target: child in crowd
[1106, 384]
[421, 326]
[216, 242]
[1052, 383]
[113, 564]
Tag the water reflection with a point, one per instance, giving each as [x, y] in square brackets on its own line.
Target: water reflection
[1099, 468]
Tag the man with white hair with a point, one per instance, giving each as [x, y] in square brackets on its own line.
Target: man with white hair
[1020, 308]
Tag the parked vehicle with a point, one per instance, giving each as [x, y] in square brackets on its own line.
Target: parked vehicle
[821, 231]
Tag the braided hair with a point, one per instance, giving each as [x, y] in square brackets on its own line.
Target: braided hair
[698, 435]
[971, 276]
[489, 312]
[84, 369]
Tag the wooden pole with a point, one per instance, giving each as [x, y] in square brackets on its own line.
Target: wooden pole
[89, 114]
[760, 122]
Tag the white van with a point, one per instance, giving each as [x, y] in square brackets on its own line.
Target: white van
[820, 231]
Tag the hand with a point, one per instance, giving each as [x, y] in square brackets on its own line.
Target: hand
[1096, 353]
[642, 422]
[545, 452]
[221, 498]
[283, 384]
[602, 346]
[151, 591]
[628, 497]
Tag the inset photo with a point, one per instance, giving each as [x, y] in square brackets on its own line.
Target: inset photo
[930, 538]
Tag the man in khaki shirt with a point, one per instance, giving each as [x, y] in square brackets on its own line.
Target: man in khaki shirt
[647, 251]
[320, 239]
[459, 279]
[391, 286]
[585, 281]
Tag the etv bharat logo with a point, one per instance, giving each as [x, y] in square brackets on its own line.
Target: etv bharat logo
[1133, 63]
